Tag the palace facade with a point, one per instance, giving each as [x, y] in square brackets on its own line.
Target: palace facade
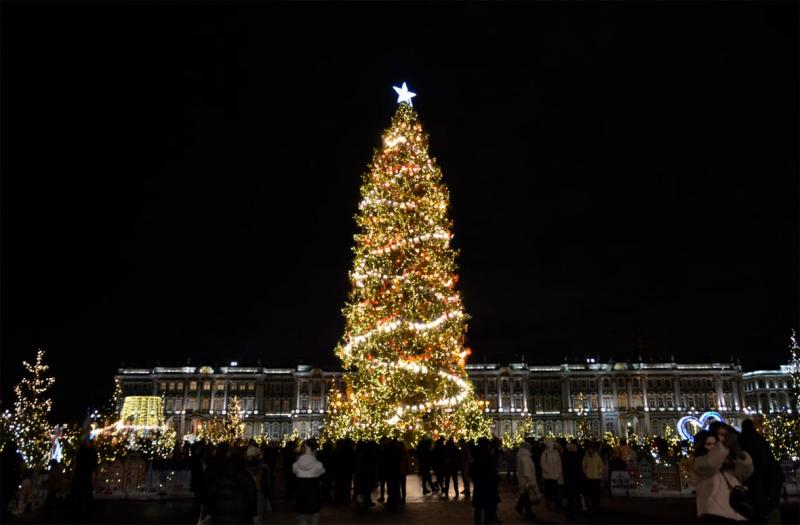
[617, 397]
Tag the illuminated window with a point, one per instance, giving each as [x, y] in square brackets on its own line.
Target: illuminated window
[206, 385]
[192, 385]
[172, 386]
[637, 401]
[622, 401]
[220, 387]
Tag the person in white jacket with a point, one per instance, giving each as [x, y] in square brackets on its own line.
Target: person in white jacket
[308, 498]
[717, 470]
[552, 473]
[526, 480]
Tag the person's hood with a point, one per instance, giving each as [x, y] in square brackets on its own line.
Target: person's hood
[307, 466]
[524, 452]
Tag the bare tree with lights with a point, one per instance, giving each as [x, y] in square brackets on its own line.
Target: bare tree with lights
[30, 428]
[405, 324]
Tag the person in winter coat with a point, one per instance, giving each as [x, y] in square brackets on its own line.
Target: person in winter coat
[466, 461]
[424, 465]
[10, 475]
[344, 461]
[196, 466]
[552, 473]
[765, 484]
[405, 469]
[325, 456]
[383, 465]
[452, 462]
[289, 457]
[573, 479]
[510, 458]
[526, 480]
[484, 476]
[715, 475]
[308, 495]
[232, 496]
[365, 474]
[84, 476]
[593, 474]
[438, 458]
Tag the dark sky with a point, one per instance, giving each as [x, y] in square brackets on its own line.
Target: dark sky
[179, 180]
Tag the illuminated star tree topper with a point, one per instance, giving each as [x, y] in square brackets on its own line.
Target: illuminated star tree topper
[404, 95]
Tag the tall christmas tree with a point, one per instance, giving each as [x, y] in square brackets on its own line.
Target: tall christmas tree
[232, 425]
[404, 322]
[783, 429]
[112, 407]
[30, 428]
[794, 372]
[582, 426]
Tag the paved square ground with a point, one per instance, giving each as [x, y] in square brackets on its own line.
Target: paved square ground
[419, 509]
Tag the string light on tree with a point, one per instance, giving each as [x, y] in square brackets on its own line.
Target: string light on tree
[112, 409]
[30, 428]
[405, 324]
[794, 367]
[232, 425]
[583, 428]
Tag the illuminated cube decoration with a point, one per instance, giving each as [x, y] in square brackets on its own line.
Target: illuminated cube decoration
[142, 411]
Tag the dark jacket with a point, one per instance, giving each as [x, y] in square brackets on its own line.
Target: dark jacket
[483, 473]
[573, 468]
[231, 492]
[765, 484]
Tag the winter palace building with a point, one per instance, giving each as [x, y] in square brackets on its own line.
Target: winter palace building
[617, 397]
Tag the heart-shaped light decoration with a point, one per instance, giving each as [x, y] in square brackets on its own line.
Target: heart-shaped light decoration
[688, 426]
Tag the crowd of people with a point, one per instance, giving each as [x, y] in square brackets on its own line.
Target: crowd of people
[566, 476]
[239, 482]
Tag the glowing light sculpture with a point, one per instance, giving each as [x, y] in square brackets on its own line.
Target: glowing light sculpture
[142, 411]
[688, 426]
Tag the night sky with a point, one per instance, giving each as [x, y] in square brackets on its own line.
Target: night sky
[179, 181]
